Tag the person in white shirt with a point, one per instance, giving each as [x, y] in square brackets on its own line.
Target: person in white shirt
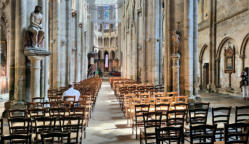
[72, 92]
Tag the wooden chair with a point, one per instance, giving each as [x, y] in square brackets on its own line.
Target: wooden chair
[54, 98]
[73, 125]
[17, 113]
[19, 125]
[57, 114]
[181, 106]
[176, 118]
[202, 134]
[236, 133]
[198, 116]
[69, 101]
[87, 110]
[17, 139]
[181, 99]
[220, 117]
[151, 120]
[54, 137]
[201, 105]
[164, 100]
[128, 107]
[36, 112]
[38, 99]
[80, 113]
[43, 124]
[164, 108]
[241, 114]
[169, 134]
[138, 121]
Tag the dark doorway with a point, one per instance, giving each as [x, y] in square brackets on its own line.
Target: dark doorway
[205, 75]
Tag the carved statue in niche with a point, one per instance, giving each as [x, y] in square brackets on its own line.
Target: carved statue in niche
[36, 33]
[176, 41]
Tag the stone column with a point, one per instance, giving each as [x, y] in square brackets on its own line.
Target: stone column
[157, 41]
[195, 47]
[35, 75]
[212, 26]
[176, 72]
[11, 49]
[20, 61]
[167, 45]
[44, 74]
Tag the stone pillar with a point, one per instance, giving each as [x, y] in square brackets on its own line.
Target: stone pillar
[157, 41]
[35, 75]
[195, 47]
[212, 26]
[11, 49]
[176, 72]
[45, 62]
[144, 66]
[68, 41]
[20, 61]
[167, 45]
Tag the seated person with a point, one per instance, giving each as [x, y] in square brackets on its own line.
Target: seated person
[72, 92]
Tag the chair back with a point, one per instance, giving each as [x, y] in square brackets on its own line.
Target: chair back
[169, 134]
[176, 117]
[241, 114]
[198, 116]
[19, 138]
[56, 137]
[236, 133]
[221, 115]
[151, 120]
[202, 134]
[19, 125]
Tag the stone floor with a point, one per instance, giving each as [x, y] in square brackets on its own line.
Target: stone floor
[108, 124]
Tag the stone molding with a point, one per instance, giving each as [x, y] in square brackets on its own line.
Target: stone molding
[31, 51]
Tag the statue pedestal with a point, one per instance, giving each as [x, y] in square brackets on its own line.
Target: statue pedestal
[35, 55]
[176, 72]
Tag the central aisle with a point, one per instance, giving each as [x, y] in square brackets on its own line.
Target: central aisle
[108, 124]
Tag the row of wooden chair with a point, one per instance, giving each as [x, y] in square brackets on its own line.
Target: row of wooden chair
[187, 119]
[204, 134]
[53, 120]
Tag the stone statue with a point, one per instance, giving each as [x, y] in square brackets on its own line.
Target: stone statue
[36, 27]
[176, 41]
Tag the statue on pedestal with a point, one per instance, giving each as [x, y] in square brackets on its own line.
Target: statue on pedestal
[35, 28]
[176, 41]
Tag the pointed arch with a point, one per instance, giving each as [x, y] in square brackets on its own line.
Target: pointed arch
[203, 49]
[221, 46]
[243, 50]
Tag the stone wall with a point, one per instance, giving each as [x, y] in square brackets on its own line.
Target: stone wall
[232, 25]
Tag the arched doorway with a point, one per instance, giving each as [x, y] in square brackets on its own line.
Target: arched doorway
[204, 67]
